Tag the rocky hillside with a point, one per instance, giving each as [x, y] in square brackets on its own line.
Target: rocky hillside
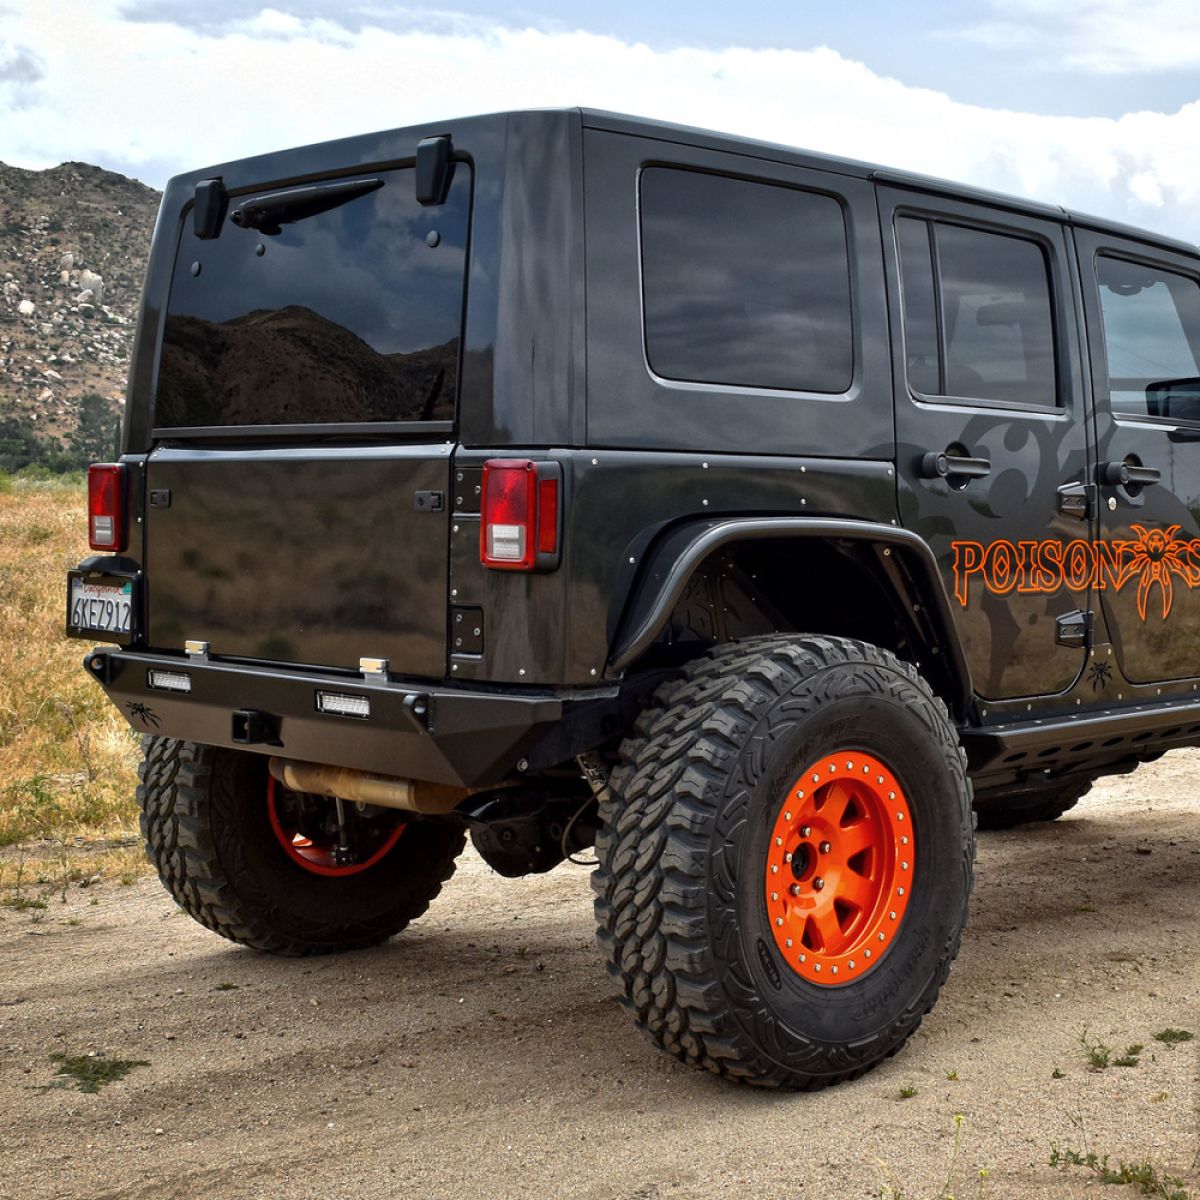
[73, 246]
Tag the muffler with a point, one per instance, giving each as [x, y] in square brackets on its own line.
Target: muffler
[363, 787]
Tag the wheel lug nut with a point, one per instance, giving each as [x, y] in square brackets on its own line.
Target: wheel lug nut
[825, 847]
[787, 857]
[806, 831]
[794, 889]
[818, 883]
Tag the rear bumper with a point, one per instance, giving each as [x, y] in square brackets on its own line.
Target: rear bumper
[460, 736]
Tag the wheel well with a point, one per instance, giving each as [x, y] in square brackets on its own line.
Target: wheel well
[845, 588]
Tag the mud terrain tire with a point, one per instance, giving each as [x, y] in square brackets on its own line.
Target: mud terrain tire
[1007, 811]
[205, 823]
[684, 844]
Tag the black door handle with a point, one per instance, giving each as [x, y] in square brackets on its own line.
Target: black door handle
[1121, 474]
[940, 464]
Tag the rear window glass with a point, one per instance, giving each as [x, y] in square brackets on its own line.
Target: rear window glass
[353, 314]
[745, 283]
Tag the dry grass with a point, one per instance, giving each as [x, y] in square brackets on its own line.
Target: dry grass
[67, 760]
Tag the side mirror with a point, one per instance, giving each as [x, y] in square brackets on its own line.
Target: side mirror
[1178, 399]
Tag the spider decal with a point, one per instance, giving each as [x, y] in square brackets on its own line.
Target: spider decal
[1153, 558]
[143, 712]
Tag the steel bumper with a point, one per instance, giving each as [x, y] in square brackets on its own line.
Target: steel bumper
[464, 736]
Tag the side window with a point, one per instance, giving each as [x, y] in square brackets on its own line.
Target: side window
[1151, 339]
[978, 319]
[920, 306]
[744, 283]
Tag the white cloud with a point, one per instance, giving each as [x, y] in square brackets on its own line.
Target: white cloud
[151, 97]
[1104, 37]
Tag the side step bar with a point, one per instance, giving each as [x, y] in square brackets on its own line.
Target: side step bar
[1059, 744]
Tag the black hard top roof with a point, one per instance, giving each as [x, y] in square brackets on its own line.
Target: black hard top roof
[777, 152]
[369, 147]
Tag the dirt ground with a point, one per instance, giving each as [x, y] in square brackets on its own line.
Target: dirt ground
[482, 1053]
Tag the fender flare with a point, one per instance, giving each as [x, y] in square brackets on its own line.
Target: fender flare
[675, 556]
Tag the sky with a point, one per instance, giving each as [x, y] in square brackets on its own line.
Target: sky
[1093, 104]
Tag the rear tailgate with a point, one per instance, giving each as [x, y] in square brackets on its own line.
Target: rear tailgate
[304, 415]
[319, 555]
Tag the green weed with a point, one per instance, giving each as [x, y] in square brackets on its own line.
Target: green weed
[948, 1191]
[91, 1072]
[1098, 1053]
[1145, 1176]
[1172, 1037]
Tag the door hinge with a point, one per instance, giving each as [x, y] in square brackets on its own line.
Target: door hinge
[1077, 500]
[1074, 629]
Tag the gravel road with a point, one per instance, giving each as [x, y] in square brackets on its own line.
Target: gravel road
[482, 1053]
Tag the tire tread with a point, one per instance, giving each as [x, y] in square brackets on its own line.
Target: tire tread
[651, 885]
[174, 796]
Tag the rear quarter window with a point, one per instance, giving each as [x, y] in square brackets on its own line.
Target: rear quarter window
[744, 283]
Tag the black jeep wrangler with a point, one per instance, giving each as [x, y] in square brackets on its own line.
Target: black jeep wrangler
[566, 479]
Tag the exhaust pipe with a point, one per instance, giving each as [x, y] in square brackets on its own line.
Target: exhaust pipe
[362, 787]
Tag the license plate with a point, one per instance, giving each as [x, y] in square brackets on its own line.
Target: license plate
[100, 606]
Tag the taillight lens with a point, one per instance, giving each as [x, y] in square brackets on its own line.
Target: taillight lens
[106, 506]
[520, 514]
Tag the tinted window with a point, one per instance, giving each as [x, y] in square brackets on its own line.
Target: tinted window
[745, 283]
[1151, 339]
[996, 317]
[920, 311]
[346, 315]
[985, 330]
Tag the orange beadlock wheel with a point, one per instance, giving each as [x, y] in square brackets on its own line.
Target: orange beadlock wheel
[840, 868]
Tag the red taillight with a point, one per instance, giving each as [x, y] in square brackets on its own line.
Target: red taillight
[519, 516]
[106, 506]
[547, 536]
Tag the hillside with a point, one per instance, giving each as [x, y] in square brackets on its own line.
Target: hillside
[73, 247]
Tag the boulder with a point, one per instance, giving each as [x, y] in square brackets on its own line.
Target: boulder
[91, 282]
[26, 307]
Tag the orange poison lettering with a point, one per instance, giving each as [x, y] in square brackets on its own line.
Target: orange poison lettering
[1155, 560]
